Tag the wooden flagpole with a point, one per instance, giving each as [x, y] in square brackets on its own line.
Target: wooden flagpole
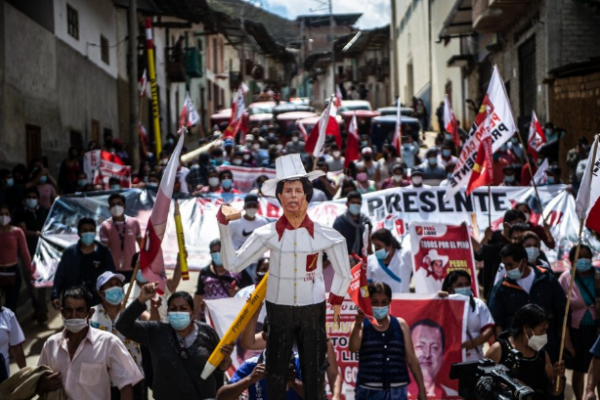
[490, 206]
[537, 194]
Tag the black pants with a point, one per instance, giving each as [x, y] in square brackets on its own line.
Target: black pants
[140, 392]
[305, 325]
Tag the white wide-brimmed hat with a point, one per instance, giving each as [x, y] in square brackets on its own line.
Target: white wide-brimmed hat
[288, 167]
[433, 256]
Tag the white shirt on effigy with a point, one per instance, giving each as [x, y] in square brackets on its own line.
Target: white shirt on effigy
[292, 280]
[100, 359]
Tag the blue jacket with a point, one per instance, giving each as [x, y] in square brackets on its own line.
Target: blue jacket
[508, 297]
[70, 272]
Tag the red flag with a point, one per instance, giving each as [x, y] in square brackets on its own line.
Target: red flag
[151, 258]
[450, 124]
[327, 125]
[359, 287]
[302, 130]
[352, 147]
[239, 119]
[189, 115]
[483, 172]
[397, 140]
[537, 138]
[337, 101]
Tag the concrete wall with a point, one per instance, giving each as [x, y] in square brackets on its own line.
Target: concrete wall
[54, 87]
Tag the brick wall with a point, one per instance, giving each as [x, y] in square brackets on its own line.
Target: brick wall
[575, 106]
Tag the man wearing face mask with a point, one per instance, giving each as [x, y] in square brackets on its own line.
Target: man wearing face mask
[433, 171]
[336, 161]
[553, 174]
[525, 284]
[416, 179]
[242, 228]
[110, 289]
[120, 233]
[227, 190]
[351, 224]
[82, 263]
[509, 176]
[446, 157]
[86, 361]
[367, 162]
[295, 145]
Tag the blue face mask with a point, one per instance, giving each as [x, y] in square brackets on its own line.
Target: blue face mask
[115, 187]
[503, 147]
[465, 291]
[114, 295]
[354, 208]
[31, 203]
[10, 182]
[82, 182]
[381, 254]
[381, 312]
[152, 184]
[514, 274]
[140, 278]
[216, 258]
[88, 238]
[509, 178]
[550, 180]
[179, 320]
[43, 179]
[226, 183]
[448, 136]
[446, 153]
[432, 160]
[449, 175]
[584, 265]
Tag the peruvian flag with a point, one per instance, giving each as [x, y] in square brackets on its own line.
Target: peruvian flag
[337, 101]
[239, 119]
[189, 115]
[151, 258]
[302, 130]
[327, 125]
[537, 138]
[450, 124]
[359, 287]
[352, 147]
[587, 204]
[143, 84]
[397, 139]
[483, 172]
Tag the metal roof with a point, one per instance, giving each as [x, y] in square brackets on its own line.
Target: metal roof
[459, 20]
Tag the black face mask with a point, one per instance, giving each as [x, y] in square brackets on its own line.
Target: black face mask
[368, 158]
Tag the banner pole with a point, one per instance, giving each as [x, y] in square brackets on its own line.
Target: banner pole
[131, 283]
[564, 324]
[490, 206]
[537, 194]
[153, 86]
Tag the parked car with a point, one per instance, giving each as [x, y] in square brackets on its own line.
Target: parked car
[221, 119]
[363, 119]
[258, 120]
[406, 111]
[383, 127]
[262, 107]
[289, 107]
[287, 121]
[351, 105]
[302, 101]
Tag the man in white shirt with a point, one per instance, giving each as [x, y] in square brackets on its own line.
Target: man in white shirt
[86, 360]
[295, 299]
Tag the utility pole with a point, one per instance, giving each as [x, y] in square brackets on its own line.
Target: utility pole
[331, 33]
[133, 85]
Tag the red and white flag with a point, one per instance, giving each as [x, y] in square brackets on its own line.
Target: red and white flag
[537, 138]
[496, 105]
[483, 170]
[587, 204]
[143, 84]
[239, 119]
[327, 125]
[337, 101]
[152, 264]
[450, 124]
[352, 147]
[189, 115]
[397, 139]
[302, 130]
[101, 165]
[359, 286]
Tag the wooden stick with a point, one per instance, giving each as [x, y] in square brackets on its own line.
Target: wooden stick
[490, 206]
[131, 283]
[564, 325]
[537, 194]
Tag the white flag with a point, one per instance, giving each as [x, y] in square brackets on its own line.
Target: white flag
[587, 205]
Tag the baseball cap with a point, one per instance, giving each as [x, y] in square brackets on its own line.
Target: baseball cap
[250, 198]
[416, 171]
[228, 142]
[107, 276]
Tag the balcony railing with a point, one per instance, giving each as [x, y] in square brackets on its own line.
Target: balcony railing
[175, 64]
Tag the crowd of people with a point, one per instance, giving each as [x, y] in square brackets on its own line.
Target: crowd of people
[161, 341]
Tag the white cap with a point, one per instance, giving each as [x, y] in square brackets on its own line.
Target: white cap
[107, 276]
[288, 167]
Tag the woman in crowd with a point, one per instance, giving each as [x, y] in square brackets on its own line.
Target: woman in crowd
[390, 263]
[12, 244]
[396, 180]
[584, 314]
[388, 159]
[11, 338]
[541, 230]
[69, 170]
[527, 335]
[480, 324]
[385, 352]
[363, 183]
[179, 349]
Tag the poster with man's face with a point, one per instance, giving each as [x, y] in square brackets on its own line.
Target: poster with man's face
[437, 250]
[436, 330]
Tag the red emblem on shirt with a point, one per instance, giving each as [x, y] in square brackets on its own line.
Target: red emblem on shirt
[311, 262]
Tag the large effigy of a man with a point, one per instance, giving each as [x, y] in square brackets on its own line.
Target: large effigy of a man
[295, 299]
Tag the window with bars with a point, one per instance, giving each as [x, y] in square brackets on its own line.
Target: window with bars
[104, 49]
[72, 22]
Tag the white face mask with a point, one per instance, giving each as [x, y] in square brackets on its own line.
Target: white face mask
[337, 154]
[397, 178]
[255, 146]
[251, 212]
[417, 180]
[213, 181]
[4, 220]
[117, 211]
[537, 342]
[75, 325]
[532, 254]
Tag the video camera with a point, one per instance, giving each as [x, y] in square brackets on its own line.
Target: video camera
[484, 380]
